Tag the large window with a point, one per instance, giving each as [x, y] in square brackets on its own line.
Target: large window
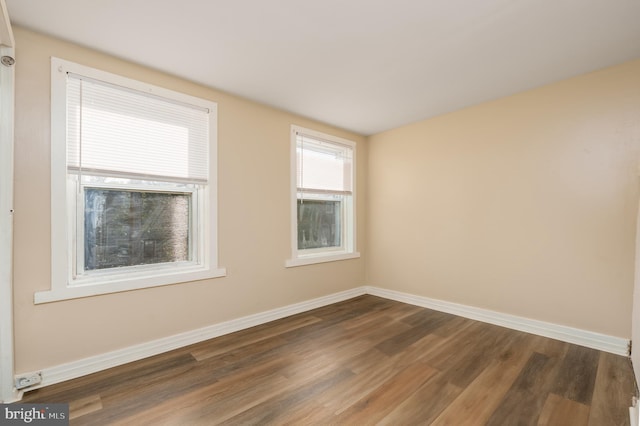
[323, 197]
[133, 184]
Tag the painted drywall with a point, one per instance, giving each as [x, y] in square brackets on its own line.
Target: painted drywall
[254, 224]
[525, 205]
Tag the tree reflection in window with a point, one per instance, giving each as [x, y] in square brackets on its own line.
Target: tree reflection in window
[127, 228]
[319, 224]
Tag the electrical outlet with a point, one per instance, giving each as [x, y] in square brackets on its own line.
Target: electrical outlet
[28, 381]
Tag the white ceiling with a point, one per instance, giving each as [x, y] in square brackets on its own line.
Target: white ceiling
[363, 65]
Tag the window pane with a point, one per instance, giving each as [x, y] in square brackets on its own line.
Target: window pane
[319, 224]
[127, 228]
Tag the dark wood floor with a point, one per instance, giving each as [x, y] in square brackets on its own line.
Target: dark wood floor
[364, 361]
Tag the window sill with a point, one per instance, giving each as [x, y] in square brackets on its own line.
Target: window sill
[319, 258]
[116, 286]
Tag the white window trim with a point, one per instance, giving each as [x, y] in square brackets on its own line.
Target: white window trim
[310, 258]
[61, 228]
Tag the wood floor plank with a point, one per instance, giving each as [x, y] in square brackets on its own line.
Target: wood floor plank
[212, 403]
[381, 401]
[220, 370]
[614, 386]
[421, 325]
[157, 368]
[389, 329]
[366, 320]
[425, 404]
[528, 394]
[270, 411]
[238, 354]
[368, 379]
[250, 337]
[150, 373]
[351, 391]
[347, 309]
[86, 405]
[476, 353]
[458, 344]
[445, 354]
[477, 402]
[559, 411]
[398, 311]
[448, 329]
[550, 347]
[239, 393]
[427, 318]
[578, 374]
[366, 360]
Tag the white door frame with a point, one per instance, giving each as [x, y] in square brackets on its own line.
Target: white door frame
[635, 324]
[8, 392]
[635, 316]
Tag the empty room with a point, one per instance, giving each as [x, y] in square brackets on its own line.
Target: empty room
[317, 213]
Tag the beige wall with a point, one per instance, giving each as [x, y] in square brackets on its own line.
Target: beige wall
[254, 227]
[525, 205]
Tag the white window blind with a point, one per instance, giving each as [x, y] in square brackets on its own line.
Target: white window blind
[118, 131]
[323, 167]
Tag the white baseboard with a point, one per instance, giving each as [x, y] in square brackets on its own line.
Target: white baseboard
[83, 367]
[634, 414]
[13, 396]
[589, 339]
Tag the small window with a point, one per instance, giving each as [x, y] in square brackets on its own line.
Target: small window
[323, 197]
[133, 184]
